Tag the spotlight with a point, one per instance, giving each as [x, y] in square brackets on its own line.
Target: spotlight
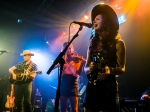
[86, 17]
[19, 21]
[121, 19]
[64, 33]
[102, 2]
[47, 42]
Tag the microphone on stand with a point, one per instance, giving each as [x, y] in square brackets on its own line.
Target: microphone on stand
[89, 25]
[4, 51]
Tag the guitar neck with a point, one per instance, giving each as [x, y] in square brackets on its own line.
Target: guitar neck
[12, 90]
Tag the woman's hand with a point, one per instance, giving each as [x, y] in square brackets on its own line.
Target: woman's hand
[103, 76]
[93, 66]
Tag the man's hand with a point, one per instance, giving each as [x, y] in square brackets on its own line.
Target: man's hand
[145, 97]
[27, 73]
[14, 76]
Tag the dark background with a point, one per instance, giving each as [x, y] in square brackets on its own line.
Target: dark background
[47, 20]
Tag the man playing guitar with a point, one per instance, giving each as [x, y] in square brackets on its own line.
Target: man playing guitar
[24, 88]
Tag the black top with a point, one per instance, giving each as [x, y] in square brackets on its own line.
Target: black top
[105, 58]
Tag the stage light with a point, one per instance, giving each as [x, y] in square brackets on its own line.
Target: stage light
[64, 33]
[102, 2]
[86, 17]
[19, 21]
[47, 42]
[117, 7]
[121, 19]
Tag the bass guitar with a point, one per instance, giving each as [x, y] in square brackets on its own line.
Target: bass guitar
[10, 98]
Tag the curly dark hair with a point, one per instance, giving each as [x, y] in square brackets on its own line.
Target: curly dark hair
[106, 32]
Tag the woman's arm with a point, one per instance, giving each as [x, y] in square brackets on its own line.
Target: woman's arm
[87, 64]
[121, 58]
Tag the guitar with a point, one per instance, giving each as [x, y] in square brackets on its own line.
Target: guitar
[93, 77]
[22, 76]
[10, 98]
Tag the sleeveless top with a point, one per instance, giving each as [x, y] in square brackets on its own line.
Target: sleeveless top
[106, 58]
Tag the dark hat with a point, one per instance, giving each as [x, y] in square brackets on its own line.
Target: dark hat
[108, 12]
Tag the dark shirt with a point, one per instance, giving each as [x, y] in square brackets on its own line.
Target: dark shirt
[103, 95]
[23, 66]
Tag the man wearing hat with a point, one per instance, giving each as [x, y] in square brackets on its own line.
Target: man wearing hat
[24, 89]
[106, 58]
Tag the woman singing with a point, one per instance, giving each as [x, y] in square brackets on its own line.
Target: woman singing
[106, 57]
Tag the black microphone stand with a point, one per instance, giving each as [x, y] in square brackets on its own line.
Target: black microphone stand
[1, 52]
[61, 61]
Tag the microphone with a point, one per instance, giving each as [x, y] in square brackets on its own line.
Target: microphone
[4, 51]
[89, 25]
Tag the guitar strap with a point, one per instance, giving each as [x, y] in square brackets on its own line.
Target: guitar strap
[28, 71]
[29, 67]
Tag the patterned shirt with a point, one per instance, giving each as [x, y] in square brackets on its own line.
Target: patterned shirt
[22, 66]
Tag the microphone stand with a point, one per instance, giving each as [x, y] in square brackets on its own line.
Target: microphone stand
[1, 52]
[61, 61]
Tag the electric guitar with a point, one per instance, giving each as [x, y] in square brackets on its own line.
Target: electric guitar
[10, 98]
[22, 76]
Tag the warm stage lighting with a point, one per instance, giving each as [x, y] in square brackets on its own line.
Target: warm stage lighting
[64, 33]
[102, 2]
[86, 17]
